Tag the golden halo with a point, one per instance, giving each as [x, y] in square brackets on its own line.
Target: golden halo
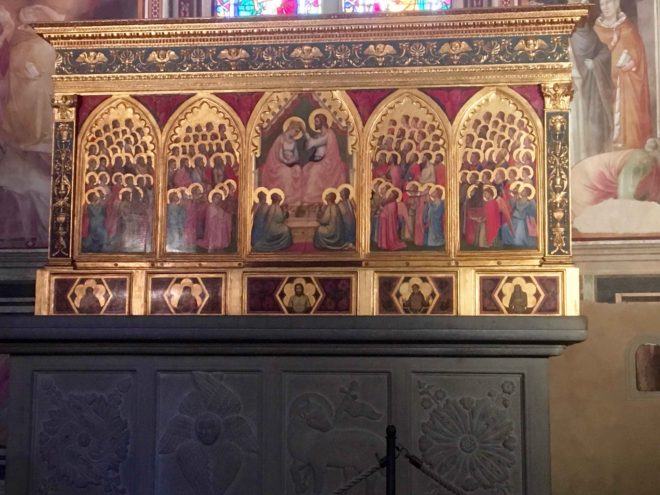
[474, 172]
[413, 143]
[490, 175]
[231, 181]
[121, 176]
[471, 189]
[430, 186]
[492, 189]
[139, 189]
[383, 188]
[88, 193]
[255, 195]
[410, 153]
[279, 192]
[173, 191]
[414, 183]
[328, 190]
[532, 190]
[463, 175]
[91, 174]
[500, 169]
[193, 186]
[524, 167]
[320, 111]
[105, 174]
[290, 121]
[126, 189]
[398, 192]
[351, 190]
[438, 187]
[376, 183]
[515, 185]
[126, 176]
[215, 191]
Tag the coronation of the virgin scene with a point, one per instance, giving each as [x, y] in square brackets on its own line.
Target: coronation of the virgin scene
[314, 247]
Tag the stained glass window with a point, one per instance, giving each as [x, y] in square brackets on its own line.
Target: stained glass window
[244, 8]
[359, 6]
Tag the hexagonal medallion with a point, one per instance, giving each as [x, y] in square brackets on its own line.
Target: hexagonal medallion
[186, 296]
[90, 296]
[299, 295]
[415, 295]
[519, 295]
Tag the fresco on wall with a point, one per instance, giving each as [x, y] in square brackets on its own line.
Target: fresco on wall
[304, 174]
[616, 150]
[26, 65]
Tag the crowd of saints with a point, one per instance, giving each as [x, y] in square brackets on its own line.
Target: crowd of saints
[118, 213]
[497, 183]
[408, 186]
[202, 190]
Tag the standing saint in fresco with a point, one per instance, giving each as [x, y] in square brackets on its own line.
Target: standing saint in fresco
[629, 72]
[325, 168]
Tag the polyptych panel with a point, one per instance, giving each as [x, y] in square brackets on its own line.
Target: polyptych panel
[498, 151]
[203, 146]
[468, 430]
[187, 295]
[83, 434]
[334, 430]
[419, 294]
[300, 294]
[407, 150]
[91, 295]
[118, 155]
[303, 147]
[520, 294]
[208, 435]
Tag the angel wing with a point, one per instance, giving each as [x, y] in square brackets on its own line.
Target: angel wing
[179, 429]
[218, 397]
[237, 429]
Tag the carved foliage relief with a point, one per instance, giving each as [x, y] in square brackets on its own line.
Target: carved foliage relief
[498, 153]
[334, 430]
[468, 431]
[303, 147]
[83, 434]
[203, 153]
[407, 150]
[208, 439]
[118, 159]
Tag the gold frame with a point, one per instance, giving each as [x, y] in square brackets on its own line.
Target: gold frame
[464, 48]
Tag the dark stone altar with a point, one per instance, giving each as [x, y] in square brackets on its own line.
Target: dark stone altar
[248, 405]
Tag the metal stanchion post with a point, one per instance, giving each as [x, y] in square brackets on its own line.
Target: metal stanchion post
[390, 462]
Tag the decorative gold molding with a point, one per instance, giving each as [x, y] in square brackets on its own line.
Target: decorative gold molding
[558, 184]
[557, 96]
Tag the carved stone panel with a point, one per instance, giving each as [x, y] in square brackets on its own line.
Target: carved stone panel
[334, 429]
[82, 434]
[468, 430]
[208, 438]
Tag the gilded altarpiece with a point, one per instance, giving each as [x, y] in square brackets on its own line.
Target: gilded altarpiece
[403, 165]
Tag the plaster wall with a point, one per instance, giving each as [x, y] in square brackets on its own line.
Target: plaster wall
[604, 434]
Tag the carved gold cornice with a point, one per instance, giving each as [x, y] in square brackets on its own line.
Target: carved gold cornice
[459, 23]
